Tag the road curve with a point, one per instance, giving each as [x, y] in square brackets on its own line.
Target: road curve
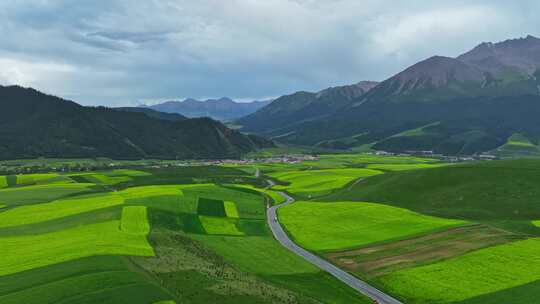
[341, 275]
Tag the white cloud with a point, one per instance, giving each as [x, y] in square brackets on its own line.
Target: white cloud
[35, 74]
[120, 51]
[402, 34]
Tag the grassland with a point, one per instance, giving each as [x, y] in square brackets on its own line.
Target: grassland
[279, 266]
[314, 183]
[518, 145]
[340, 225]
[500, 193]
[480, 263]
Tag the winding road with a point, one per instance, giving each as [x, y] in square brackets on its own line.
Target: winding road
[359, 285]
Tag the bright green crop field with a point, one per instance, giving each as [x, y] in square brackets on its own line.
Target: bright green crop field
[314, 183]
[478, 273]
[342, 225]
[23, 215]
[31, 251]
[135, 220]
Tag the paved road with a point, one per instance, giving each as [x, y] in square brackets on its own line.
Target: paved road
[341, 275]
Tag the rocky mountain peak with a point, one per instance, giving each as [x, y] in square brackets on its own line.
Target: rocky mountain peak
[521, 55]
[435, 71]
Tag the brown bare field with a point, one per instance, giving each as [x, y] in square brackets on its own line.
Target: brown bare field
[381, 259]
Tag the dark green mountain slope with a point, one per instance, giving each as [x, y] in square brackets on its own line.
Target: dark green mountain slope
[154, 113]
[33, 124]
[464, 126]
[469, 104]
[303, 106]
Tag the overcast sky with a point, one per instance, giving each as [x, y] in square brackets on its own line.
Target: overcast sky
[123, 52]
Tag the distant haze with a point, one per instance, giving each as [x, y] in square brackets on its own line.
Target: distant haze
[221, 109]
[122, 52]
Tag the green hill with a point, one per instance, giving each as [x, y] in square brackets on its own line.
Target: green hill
[154, 113]
[504, 193]
[517, 145]
[303, 106]
[33, 124]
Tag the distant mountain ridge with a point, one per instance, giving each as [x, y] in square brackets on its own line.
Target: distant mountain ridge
[33, 124]
[221, 109]
[469, 104]
[153, 113]
[304, 106]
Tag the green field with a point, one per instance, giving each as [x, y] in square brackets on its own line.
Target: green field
[31, 251]
[403, 167]
[341, 225]
[135, 220]
[100, 279]
[272, 196]
[3, 182]
[500, 193]
[479, 265]
[230, 209]
[440, 233]
[149, 236]
[41, 193]
[483, 272]
[419, 229]
[314, 183]
[24, 215]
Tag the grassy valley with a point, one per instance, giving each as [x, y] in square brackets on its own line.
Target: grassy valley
[419, 229]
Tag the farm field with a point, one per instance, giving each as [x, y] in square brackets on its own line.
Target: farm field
[421, 230]
[313, 224]
[149, 236]
[502, 193]
[314, 183]
[482, 272]
[483, 260]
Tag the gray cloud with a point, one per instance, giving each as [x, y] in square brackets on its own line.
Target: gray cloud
[120, 52]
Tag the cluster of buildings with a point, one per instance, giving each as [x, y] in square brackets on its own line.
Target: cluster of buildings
[285, 159]
[446, 158]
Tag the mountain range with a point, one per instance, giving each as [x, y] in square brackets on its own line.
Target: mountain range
[223, 109]
[33, 124]
[469, 104]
